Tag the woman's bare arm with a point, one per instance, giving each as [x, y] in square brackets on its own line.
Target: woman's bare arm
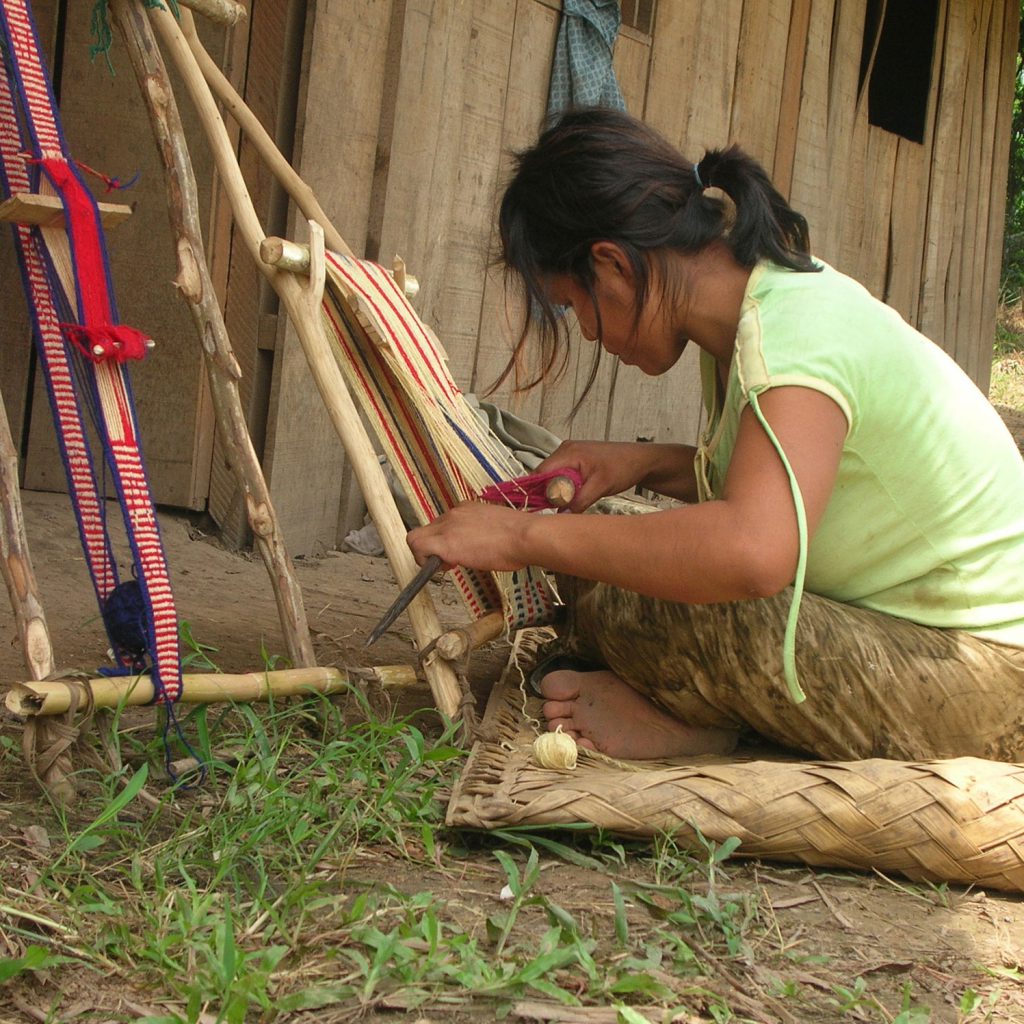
[743, 545]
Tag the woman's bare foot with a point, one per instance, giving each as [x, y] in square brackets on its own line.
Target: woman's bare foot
[601, 712]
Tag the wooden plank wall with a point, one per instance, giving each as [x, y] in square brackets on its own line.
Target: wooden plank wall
[437, 96]
[403, 115]
[264, 63]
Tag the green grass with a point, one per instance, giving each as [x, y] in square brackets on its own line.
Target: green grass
[1007, 382]
[312, 872]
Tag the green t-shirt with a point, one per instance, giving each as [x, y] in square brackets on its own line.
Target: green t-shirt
[926, 521]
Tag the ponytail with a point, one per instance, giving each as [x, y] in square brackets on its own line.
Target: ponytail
[765, 226]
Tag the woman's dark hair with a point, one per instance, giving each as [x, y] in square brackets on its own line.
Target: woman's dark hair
[602, 175]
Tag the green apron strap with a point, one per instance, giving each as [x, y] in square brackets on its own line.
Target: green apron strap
[789, 643]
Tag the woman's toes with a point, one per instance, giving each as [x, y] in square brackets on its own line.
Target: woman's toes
[558, 709]
[562, 684]
[565, 724]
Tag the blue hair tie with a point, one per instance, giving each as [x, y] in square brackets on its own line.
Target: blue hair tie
[696, 174]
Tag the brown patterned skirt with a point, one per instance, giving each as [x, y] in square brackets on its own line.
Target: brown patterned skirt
[876, 686]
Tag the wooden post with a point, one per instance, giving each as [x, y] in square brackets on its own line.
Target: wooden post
[298, 299]
[195, 286]
[17, 565]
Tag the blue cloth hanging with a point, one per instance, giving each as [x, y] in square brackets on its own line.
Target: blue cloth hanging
[582, 74]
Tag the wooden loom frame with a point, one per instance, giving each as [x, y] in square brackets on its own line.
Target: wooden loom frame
[299, 284]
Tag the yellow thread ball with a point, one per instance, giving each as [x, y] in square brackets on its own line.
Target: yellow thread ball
[555, 750]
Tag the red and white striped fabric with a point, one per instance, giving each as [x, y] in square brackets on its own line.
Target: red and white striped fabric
[89, 293]
[439, 448]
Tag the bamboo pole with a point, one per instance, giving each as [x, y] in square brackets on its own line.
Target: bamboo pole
[56, 696]
[302, 302]
[224, 12]
[455, 644]
[301, 194]
[16, 564]
[195, 286]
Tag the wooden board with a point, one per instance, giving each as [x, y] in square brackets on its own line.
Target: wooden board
[346, 54]
[978, 135]
[808, 174]
[48, 211]
[757, 94]
[693, 59]
[942, 207]
[1002, 98]
[911, 189]
[420, 188]
[861, 165]
[790, 95]
[533, 44]
[269, 82]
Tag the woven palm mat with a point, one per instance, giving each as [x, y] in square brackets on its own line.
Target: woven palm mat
[959, 820]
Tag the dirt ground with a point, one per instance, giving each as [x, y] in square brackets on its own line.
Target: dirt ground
[891, 932]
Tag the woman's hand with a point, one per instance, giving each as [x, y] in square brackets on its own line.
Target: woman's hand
[473, 534]
[611, 467]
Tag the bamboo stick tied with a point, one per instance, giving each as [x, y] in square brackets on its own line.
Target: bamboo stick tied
[455, 644]
[56, 696]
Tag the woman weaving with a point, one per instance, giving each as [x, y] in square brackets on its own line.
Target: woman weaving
[846, 577]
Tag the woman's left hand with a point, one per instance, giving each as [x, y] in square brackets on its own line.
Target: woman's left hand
[473, 534]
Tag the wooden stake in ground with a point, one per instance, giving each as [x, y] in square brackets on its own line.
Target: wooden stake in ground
[196, 288]
[302, 302]
[16, 564]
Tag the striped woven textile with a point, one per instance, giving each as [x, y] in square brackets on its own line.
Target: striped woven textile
[26, 98]
[440, 450]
